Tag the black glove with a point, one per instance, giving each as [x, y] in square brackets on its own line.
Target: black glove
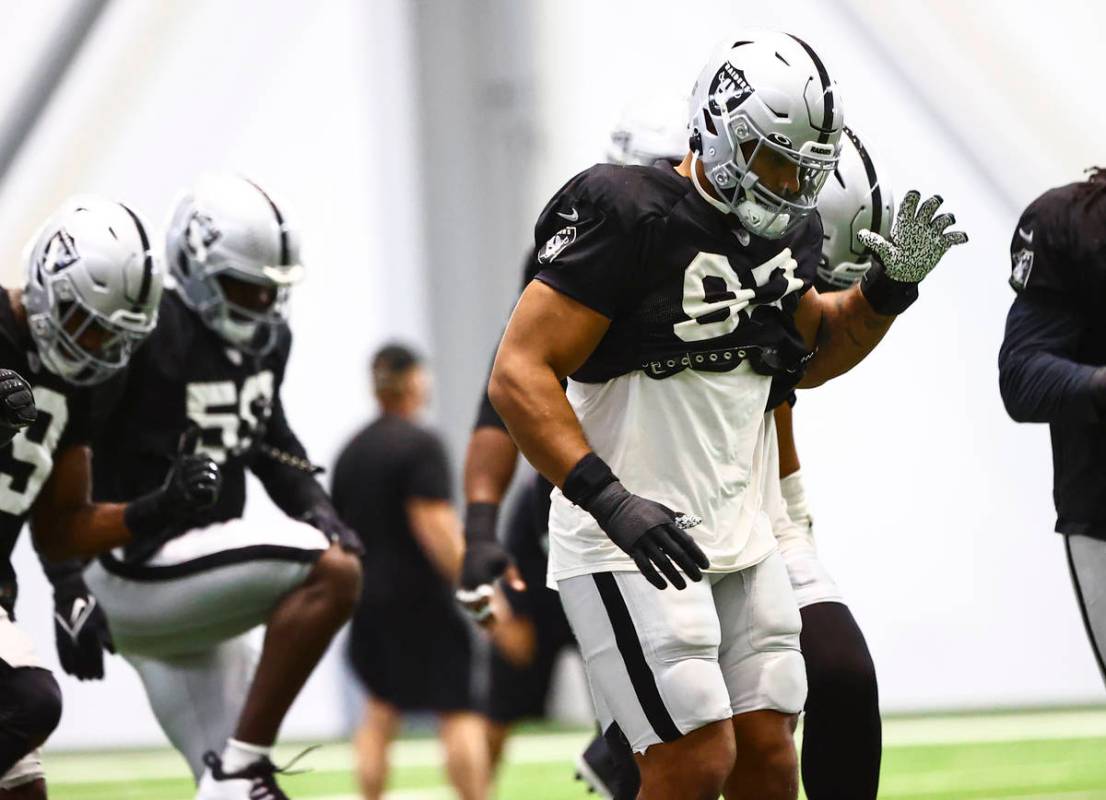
[324, 517]
[81, 629]
[485, 559]
[193, 484]
[17, 405]
[652, 534]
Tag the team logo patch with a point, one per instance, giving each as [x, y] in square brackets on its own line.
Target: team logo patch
[202, 233]
[728, 89]
[557, 242]
[60, 253]
[1022, 267]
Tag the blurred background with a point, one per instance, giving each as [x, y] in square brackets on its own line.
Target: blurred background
[414, 144]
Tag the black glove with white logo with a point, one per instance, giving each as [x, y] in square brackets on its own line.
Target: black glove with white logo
[652, 534]
[17, 405]
[323, 517]
[193, 484]
[81, 629]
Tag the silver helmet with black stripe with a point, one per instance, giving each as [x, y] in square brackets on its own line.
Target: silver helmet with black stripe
[766, 122]
[93, 289]
[855, 198]
[234, 258]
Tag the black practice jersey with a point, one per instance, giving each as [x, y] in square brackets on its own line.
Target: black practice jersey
[683, 285]
[1056, 337]
[386, 464]
[186, 375]
[65, 418]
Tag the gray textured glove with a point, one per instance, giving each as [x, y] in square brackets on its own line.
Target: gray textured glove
[918, 239]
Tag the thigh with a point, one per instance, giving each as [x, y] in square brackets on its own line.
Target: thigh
[651, 655]
[1087, 562]
[810, 580]
[16, 648]
[197, 698]
[759, 655]
[204, 587]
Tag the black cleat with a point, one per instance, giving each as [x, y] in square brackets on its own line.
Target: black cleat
[608, 771]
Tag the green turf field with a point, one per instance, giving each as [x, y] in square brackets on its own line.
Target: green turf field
[1056, 755]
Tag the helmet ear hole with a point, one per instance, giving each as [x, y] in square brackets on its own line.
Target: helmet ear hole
[695, 142]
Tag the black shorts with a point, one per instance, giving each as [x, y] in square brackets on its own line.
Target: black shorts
[416, 656]
[514, 692]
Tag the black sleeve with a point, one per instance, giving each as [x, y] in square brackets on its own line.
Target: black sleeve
[583, 250]
[808, 250]
[293, 488]
[486, 415]
[427, 473]
[1038, 379]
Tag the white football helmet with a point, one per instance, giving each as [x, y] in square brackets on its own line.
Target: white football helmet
[93, 288]
[226, 228]
[766, 124]
[652, 128]
[854, 199]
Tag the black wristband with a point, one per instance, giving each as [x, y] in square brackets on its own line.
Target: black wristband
[585, 480]
[885, 295]
[145, 516]
[480, 522]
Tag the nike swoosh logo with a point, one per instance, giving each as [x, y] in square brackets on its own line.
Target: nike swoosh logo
[573, 217]
[1027, 235]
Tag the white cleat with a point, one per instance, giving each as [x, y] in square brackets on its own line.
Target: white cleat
[255, 782]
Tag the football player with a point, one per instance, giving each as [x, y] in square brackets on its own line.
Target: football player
[209, 378]
[841, 723]
[1052, 368]
[90, 298]
[675, 300]
[531, 630]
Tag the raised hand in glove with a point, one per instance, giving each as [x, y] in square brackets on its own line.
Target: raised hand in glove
[323, 517]
[485, 561]
[652, 534]
[919, 239]
[193, 484]
[17, 405]
[81, 629]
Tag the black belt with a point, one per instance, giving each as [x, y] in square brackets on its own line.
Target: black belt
[763, 360]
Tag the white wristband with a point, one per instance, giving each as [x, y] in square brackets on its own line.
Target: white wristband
[791, 486]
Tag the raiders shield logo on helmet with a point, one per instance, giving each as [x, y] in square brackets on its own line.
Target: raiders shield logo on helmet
[1022, 267]
[728, 89]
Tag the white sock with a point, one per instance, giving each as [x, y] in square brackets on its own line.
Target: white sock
[239, 755]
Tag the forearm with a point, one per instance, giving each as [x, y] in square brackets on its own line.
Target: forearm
[848, 330]
[489, 465]
[528, 395]
[438, 533]
[81, 532]
[1044, 387]
[785, 436]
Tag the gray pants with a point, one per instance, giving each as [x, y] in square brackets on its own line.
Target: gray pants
[1087, 562]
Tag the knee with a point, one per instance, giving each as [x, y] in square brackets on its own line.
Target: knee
[38, 709]
[846, 682]
[338, 573]
[772, 748]
[695, 766]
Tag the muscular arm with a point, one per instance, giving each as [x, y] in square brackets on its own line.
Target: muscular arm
[65, 523]
[1038, 377]
[489, 465]
[438, 533]
[842, 327]
[548, 337]
[785, 435]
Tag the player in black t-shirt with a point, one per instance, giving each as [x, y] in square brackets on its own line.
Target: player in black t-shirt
[179, 603]
[1052, 368]
[676, 301]
[409, 643]
[531, 632]
[90, 298]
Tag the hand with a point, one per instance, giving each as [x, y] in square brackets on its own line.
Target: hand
[918, 239]
[194, 481]
[652, 534]
[485, 561]
[80, 629]
[327, 520]
[17, 403]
